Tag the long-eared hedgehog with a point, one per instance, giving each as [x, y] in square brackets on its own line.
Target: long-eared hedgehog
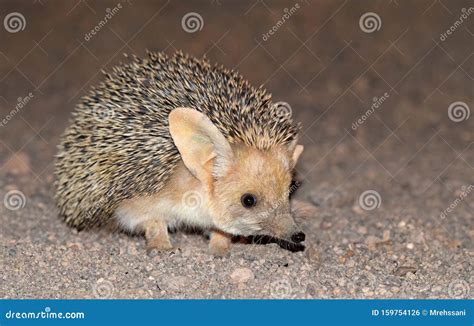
[168, 141]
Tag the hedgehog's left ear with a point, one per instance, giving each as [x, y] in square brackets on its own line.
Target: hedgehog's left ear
[203, 148]
[295, 151]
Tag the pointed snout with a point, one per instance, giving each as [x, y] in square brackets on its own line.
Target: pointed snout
[286, 229]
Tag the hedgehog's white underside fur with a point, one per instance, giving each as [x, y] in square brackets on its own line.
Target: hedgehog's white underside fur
[118, 145]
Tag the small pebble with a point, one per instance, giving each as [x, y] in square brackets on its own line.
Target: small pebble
[372, 240]
[241, 275]
[358, 210]
[411, 276]
[404, 270]
[312, 254]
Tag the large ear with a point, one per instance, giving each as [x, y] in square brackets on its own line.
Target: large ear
[295, 151]
[203, 148]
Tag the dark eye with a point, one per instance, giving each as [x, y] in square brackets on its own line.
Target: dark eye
[248, 200]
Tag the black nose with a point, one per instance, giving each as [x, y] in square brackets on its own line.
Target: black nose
[298, 237]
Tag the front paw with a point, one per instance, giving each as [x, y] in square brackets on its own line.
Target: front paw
[220, 243]
[219, 250]
[158, 245]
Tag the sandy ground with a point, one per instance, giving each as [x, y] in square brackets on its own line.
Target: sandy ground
[414, 240]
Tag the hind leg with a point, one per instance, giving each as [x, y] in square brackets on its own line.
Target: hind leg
[140, 215]
[156, 235]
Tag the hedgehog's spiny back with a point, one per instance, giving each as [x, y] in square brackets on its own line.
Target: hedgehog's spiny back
[118, 145]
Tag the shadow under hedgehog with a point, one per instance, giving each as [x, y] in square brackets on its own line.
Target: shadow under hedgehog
[166, 142]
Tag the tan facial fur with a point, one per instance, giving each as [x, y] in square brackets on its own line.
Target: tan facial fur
[266, 175]
[218, 174]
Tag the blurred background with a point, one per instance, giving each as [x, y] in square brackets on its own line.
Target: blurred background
[384, 92]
